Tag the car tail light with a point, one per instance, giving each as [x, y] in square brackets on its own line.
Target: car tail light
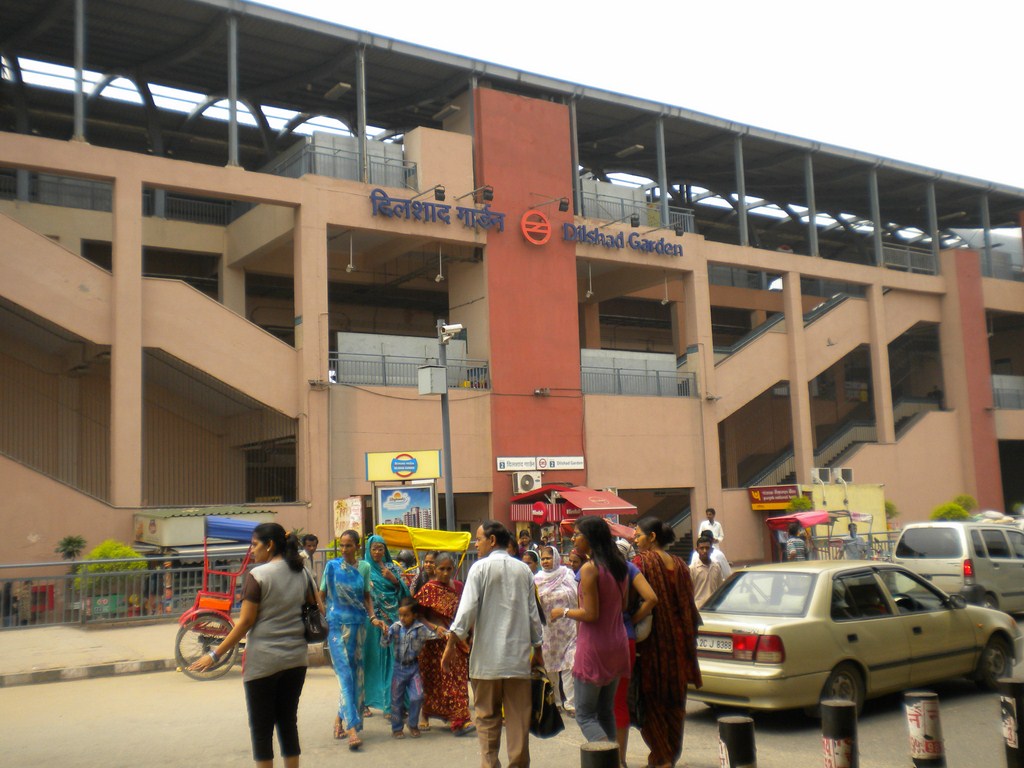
[969, 569]
[770, 650]
[767, 649]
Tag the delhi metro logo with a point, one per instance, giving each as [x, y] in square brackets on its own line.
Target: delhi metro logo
[535, 227]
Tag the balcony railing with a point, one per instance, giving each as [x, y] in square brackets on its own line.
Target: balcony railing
[1008, 391]
[908, 259]
[639, 382]
[1002, 267]
[610, 208]
[344, 164]
[401, 371]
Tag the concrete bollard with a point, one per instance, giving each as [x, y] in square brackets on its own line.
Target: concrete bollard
[599, 754]
[927, 749]
[736, 748]
[1011, 707]
[839, 733]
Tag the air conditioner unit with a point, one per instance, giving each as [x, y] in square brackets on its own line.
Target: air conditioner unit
[843, 475]
[821, 475]
[524, 482]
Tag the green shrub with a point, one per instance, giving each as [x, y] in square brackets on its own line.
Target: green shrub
[891, 511]
[111, 549]
[800, 504]
[950, 511]
[968, 502]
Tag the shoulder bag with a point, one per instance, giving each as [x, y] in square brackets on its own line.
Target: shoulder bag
[545, 721]
[313, 625]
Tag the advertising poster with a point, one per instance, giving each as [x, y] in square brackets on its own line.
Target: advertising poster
[348, 514]
[411, 505]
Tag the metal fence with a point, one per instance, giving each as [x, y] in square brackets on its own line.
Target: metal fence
[632, 381]
[611, 208]
[880, 546]
[403, 371]
[344, 164]
[907, 259]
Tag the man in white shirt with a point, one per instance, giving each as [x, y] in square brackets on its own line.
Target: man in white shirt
[705, 574]
[499, 606]
[717, 556]
[712, 525]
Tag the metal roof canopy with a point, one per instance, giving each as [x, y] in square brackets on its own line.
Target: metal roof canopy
[291, 61]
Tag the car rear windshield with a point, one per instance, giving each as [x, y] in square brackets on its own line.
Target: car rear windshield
[930, 543]
[764, 593]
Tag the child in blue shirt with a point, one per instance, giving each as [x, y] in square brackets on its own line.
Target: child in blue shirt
[406, 638]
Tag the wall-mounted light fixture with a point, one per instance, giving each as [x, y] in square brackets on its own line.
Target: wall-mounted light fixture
[437, 189]
[486, 194]
[590, 283]
[448, 110]
[439, 277]
[563, 202]
[351, 254]
[632, 149]
[679, 230]
[634, 221]
[337, 90]
[664, 302]
[542, 391]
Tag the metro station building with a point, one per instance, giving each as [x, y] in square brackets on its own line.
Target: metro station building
[228, 233]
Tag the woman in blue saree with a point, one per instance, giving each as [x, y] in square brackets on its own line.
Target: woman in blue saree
[388, 588]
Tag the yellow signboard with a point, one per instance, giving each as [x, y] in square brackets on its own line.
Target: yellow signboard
[403, 465]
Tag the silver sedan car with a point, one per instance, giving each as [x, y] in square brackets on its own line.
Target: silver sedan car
[789, 635]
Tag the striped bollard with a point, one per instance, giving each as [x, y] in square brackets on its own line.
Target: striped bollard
[1011, 709]
[839, 733]
[927, 749]
[736, 747]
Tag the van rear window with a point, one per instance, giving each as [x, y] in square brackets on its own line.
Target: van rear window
[929, 542]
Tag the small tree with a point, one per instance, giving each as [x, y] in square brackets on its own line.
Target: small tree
[111, 549]
[70, 547]
[800, 504]
[950, 511]
[890, 511]
[967, 502]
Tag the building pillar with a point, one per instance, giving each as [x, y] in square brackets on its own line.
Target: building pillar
[79, 54]
[677, 312]
[758, 317]
[311, 343]
[126, 373]
[231, 286]
[741, 191]
[232, 90]
[732, 467]
[590, 325]
[659, 140]
[881, 384]
[876, 217]
[697, 306]
[812, 207]
[799, 396]
[967, 374]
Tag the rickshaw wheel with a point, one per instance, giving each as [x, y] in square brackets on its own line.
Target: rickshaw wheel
[197, 637]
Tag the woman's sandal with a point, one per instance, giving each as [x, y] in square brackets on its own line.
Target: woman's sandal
[425, 725]
[398, 734]
[339, 730]
[354, 742]
[414, 733]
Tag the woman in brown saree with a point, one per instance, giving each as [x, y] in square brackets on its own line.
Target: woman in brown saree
[445, 694]
[667, 659]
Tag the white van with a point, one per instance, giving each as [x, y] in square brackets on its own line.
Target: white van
[982, 561]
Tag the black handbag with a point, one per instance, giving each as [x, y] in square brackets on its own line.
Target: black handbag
[545, 721]
[313, 625]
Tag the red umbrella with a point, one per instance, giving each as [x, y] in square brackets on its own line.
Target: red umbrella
[805, 519]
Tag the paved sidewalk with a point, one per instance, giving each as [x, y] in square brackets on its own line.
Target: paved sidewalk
[50, 654]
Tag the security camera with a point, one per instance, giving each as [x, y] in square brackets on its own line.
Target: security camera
[452, 329]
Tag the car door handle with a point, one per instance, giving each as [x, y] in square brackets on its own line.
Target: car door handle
[918, 630]
[851, 638]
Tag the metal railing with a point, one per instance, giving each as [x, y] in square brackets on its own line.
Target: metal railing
[344, 164]
[610, 208]
[402, 371]
[192, 209]
[1008, 391]
[909, 259]
[1001, 266]
[634, 381]
[880, 545]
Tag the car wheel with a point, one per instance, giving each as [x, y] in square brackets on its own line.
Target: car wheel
[845, 682]
[996, 661]
[990, 601]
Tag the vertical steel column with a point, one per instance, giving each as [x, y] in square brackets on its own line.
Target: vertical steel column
[659, 136]
[812, 206]
[364, 160]
[577, 182]
[876, 217]
[741, 190]
[232, 89]
[79, 129]
[986, 228]
[446, 431]
[933, 222]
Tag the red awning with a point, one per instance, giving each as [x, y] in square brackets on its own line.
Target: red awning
[622, 531]
[805, 519]
[587, 500]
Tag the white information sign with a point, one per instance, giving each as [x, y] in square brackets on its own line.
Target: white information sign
[516, 463]
[560, 462]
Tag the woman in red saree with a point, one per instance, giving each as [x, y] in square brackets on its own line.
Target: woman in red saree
[445, 694]
[667, 659]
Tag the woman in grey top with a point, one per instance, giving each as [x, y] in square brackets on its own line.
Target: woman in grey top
[276, 653]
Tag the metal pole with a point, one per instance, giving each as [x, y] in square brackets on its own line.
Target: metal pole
[812, 206]
[986, 228]
[741, 190]
[364, 160]
[79, 129]
[232, 90]
[736, 747]
[659, 136]
[1011, 690]
[876, 216]
[839, 733]
[924, 726]
[577, 183]
[446, 433]
[933, 222]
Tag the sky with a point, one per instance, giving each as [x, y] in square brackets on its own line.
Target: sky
[931, 82]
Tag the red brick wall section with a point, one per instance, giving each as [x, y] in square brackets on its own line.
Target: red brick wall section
[522, 147]
[984, 444]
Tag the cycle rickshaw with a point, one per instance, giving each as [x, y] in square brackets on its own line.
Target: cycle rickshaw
[422, 540]
[208, 621]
